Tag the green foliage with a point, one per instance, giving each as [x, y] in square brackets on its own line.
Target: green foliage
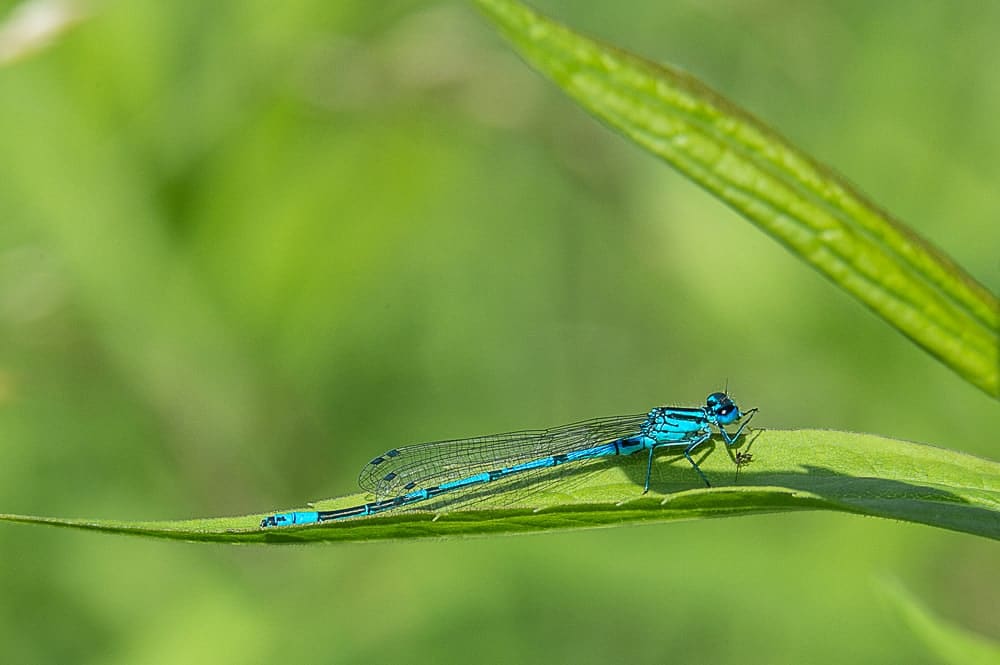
[818, 216]
[953, 645]
[814, 212]
[246, 246]
[790, 470]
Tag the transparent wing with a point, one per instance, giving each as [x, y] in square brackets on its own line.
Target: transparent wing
[424, 465]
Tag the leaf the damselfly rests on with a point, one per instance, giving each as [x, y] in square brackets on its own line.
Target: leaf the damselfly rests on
[790, 470]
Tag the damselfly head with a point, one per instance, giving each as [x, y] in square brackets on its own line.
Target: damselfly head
[721, 408]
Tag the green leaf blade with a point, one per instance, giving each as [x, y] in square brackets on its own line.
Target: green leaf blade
[951, 643]
[804, 205]
[791, 471]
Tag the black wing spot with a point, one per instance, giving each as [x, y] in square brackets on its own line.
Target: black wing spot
[389, 476]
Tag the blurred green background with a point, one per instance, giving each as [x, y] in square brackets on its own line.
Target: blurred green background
[246, 246]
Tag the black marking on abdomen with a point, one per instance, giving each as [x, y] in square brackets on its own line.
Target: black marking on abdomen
[326, 515]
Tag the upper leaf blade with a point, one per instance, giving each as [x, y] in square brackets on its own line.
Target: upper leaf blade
[804, 205]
